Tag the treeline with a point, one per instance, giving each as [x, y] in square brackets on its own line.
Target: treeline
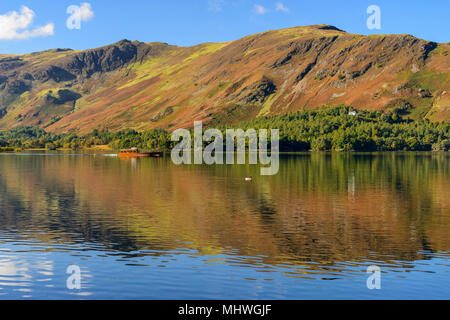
[36, 138]
[342, 129]
[338, 129]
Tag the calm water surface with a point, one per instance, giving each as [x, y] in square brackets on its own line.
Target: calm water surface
[147, 229]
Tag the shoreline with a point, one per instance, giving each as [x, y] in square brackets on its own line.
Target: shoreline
[62, 152]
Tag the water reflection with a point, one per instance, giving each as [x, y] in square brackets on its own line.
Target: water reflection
[323, 217]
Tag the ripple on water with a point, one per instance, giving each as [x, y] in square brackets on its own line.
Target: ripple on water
[149, 229]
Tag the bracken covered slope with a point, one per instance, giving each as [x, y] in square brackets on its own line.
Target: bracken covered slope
[138, 85]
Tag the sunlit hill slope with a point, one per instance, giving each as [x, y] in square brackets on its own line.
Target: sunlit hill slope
[138, 85]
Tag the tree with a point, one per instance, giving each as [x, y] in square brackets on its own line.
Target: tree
[50, 146]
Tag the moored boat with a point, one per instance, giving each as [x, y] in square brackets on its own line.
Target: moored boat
[134, 153]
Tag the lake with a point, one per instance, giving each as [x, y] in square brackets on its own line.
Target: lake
[148, 229]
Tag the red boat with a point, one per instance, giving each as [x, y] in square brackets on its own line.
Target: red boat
[134, 153]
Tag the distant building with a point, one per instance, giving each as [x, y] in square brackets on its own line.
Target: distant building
[353, 113]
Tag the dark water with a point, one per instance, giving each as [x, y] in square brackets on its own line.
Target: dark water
[148, 229]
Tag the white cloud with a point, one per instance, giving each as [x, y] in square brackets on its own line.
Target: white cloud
[260, 9]
[281, 7]
[14, 25]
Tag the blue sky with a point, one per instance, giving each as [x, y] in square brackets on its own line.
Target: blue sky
[187, 23]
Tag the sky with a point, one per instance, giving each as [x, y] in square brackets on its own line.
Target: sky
[36, 25]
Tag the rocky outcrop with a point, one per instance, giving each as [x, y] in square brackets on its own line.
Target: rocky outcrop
[17, 87]
[62, 97]
[258, 92]
[109, 58]
[54, 73]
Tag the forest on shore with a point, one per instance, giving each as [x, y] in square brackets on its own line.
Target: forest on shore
[325, 129]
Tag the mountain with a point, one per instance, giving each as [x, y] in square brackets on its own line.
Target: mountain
[132, 84]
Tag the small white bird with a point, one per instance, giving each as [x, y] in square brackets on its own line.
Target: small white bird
[248, 179]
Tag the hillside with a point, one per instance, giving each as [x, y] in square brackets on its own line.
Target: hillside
[138, 85]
